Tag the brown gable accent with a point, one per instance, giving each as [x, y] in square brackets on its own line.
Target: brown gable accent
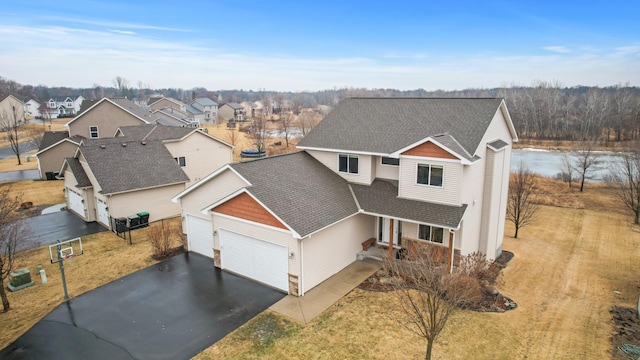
[245, 207]
[429, 149]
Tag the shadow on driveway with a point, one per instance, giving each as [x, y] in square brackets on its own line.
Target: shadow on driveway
[61, 225]
[171, 310]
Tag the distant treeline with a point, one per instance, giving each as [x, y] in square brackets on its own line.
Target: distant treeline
[543, 110]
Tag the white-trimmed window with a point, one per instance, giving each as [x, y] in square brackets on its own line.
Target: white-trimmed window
[389, 161]
[348, 163]
[431, 233]
[181, 161]
[93, 132]
[431, 175]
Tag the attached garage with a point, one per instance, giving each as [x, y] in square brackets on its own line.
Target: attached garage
[256, 259]
[200, 235]
[103, 212]
[76, 203]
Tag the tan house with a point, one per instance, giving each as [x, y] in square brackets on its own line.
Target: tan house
[12, 111]
[140, 169]
[435, 177]
[98, 119]
[157, 103]
[230, 111]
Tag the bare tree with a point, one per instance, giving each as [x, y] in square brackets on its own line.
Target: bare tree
[520, 206]
[427, 296]
[232, 137]
[259, 132]
[10, 127]
[122, 85]
[286, 120]
[12, 233]
[584, 161]
[567, 169]
[308, 120]
[625, 178]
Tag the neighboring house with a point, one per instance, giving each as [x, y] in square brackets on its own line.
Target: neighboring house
[116, 178]
[174, 117]
[32, 108]
[249, 109]
[11, 111]
[411, 172]
[99, 120]
[232, 110]
[54, 148]
[140, 169]
[64, 106]
[197, 152]
[205, 110]
[157, 103]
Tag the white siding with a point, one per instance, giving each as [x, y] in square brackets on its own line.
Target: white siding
[203, 155]
[260, 232]
[366, 166]
[449, 193]
[332, 249]
[226, 183]
[385, 171]
[157, 202]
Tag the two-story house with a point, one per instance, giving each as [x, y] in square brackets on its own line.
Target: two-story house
[32, 108]
[400, 171]
[204, 110]
[64, 106]
[98, 119]
[231, 111]
[140, 169]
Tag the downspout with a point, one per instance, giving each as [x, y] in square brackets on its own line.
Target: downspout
[301, 278]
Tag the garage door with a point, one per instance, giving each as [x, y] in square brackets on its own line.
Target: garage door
[200, 235]
[75, 202]
[103, 212]
[256, 259]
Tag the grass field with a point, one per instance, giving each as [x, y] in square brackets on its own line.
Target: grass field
[564, 277]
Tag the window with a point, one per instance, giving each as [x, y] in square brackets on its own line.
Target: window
[181, 161]
[93, 132]
[430, 175]
[348, 164]
[390, 161]
[431, 233]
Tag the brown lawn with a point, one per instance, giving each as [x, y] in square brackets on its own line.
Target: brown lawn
[38, 192]
[563, 277]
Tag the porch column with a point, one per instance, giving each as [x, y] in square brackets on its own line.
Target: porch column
[390, 240]
[450, 253]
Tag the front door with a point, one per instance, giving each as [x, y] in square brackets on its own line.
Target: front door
[384, 230]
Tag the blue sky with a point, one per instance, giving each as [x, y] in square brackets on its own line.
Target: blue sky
[299, 45]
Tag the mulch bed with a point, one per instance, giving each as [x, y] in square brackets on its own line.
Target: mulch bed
[625, 339]
[171, 253]
[489, 303]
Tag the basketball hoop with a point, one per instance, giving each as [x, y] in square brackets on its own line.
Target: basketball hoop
[70, 258]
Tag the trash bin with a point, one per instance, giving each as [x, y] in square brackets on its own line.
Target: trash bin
[50, 175]
[134, 222]
[121, 225]
[144, 218]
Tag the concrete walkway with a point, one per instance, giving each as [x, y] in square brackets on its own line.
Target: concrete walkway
[306, 308]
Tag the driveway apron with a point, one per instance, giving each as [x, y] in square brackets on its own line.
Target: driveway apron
[171, 310]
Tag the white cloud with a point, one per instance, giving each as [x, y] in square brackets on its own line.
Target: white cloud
[67, 56]
[558, 49]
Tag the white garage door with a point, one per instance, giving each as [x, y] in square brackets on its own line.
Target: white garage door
[256, 259]
[103, 212]
[200, 235]
[75, 202]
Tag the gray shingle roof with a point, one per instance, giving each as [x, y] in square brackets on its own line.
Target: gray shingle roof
[385, 125]
[193, 110]
[235, 105]
[205, 101]
[131, 107]
[154, 132]
[305, 194]
[498, 144]
[51, 137]
[119, 168]
[78, 172]
[381, 197]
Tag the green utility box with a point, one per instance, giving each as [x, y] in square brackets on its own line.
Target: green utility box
[19, 279]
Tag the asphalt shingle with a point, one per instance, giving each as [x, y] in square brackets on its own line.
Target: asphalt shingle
[78, 172]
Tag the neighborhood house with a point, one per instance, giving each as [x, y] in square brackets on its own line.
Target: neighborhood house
[400, 173]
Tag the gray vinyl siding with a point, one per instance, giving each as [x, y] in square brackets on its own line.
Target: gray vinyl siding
[448, 194]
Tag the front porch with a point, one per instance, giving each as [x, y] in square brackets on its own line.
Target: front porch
[410, 249]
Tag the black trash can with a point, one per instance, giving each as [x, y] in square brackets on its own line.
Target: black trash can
[121, 225]
[144, 218]
[134, 222]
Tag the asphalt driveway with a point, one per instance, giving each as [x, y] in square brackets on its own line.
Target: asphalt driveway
[61, 225]
[171, 310]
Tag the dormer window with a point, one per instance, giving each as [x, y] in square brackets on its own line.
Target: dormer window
[348, 163]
